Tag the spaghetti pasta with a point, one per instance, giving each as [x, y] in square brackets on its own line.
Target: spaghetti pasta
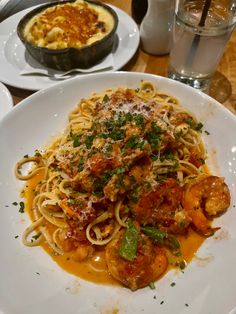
[119, 178]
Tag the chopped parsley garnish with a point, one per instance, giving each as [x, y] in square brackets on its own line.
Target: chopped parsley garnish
[153, 136]
[104, 135]
[193, 125]
[172, 284]
[154, 157]
[168, 155]
[88, 141]
[155, 128]
[37, 153]
[102, 181]
[15, 203]
[16, 236]
[81, 164]
[207, 133]
[22, 207]
[126, 210]
[26, 156]
[152, 285]
[105, 98]
[134, 198]
[120, 170]
[178, 135]
[147, 185]
[132, 180]
[109, 124]
[134, 142]
[76, 141]
[182, 265]
[117, 135]
[120, 180]
[122, 119]
[199, 126]
[109, 148]
[128, 117]
[139, 120]
[190, 122]
[75, 202]
[105, 177]
[161, 178]
[98, 189]
[36, 236]
[202, 161]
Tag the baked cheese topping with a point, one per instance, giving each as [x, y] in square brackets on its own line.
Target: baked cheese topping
[69, 25]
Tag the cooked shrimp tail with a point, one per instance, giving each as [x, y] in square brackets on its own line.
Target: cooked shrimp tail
[201, 223]
[207, 196]
[147, 266]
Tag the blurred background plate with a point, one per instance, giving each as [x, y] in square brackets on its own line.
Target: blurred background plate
[6, 102]
[14, 58]
[10, 7]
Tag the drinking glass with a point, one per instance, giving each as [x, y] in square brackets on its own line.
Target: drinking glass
[202, 29]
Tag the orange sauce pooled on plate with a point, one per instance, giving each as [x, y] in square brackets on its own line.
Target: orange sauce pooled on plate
[95, 268]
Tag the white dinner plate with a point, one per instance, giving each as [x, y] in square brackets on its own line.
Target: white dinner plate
[32, 283]
[6, 102]
[14, 58]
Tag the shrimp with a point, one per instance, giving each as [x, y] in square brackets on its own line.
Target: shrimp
[208, 196]
[162, 207]
[150, 263]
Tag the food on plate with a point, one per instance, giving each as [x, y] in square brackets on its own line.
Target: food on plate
[124, 185]
[69, 34]
[69, 25]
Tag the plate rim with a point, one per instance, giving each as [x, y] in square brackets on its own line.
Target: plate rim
[9, 104]
[121, 73]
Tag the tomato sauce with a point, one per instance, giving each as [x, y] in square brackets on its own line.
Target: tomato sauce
[95, 269]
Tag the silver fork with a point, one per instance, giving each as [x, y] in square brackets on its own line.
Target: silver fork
[63, 75]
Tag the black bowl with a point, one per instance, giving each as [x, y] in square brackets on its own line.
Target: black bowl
[69, 58]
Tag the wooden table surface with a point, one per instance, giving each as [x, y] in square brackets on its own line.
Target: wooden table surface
[223, 87]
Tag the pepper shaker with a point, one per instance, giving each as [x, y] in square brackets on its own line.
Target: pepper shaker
[139, 10]
[156, 27]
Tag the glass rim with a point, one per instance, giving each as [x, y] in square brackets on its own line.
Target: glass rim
[207, 29]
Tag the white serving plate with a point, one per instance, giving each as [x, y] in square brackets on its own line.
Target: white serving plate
[208, 284]
[14, 58]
